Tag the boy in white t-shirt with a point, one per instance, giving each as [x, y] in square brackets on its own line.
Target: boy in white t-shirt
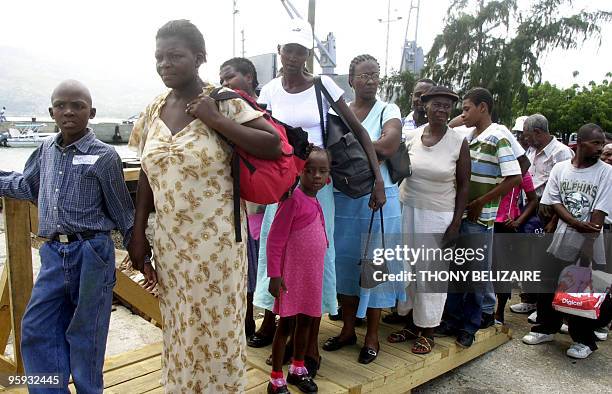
[580, 192]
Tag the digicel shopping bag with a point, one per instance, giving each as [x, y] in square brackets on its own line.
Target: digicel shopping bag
[575, 294]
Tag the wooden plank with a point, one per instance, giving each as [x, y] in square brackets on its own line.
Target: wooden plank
[132, 293]
[159, 390]
[140, 384]
[5, 311]
[412, 380]
[33, 218]
[7, 365]
[131, 174]
[128, 358]
[256, 377]
[132, 371]
[19, 263]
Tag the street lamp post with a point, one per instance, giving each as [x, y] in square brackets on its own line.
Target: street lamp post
[388, 22]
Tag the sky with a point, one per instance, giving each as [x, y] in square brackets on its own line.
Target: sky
[115, 38]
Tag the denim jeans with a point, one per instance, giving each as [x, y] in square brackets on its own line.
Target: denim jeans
[65, 324]
[464, 310]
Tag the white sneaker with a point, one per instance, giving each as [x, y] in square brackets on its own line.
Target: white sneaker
[535, 338]
[578, 350]
[601, 333]
[564, 329]
[533, 318]
[523, 307]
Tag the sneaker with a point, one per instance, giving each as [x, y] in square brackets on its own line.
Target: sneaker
[601, 333]
[523, 307]
[578, 350]
[534, 338]
[564, 329]
[303, 382]
[533, 318]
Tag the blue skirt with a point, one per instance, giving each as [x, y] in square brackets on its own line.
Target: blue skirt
[352, 220]
[329, 304]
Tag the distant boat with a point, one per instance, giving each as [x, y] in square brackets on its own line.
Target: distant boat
[24, 135]
[111, 132]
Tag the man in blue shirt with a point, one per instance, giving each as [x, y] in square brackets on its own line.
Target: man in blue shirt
[77, 183]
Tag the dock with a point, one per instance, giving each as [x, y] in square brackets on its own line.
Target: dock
[396, 370]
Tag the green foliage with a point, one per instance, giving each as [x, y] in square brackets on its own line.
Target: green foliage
[495, 45]
[397, 88]
[568, 109]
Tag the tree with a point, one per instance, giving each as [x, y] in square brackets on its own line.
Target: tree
[398, 88]
[568, 109]
[498, 46]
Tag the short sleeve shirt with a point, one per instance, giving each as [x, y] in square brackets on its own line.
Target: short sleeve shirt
[492, 160]
[299, 109]
[581, 191]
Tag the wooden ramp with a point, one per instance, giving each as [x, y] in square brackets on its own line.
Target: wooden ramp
[396, 370]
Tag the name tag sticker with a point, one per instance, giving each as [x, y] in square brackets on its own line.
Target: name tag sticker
[85, 159]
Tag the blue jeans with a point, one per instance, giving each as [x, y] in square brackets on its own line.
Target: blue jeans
[65, 325]
[464, 310]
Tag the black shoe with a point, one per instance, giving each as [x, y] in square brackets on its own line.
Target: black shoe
[393, 318]
[367, 355]
[359, 322]
[337, 316]
[334, 343]
[464, 339]
[443, 330]
[312, 366]
[272, 389]
[303, 382]
[488, 320]
[258, 341]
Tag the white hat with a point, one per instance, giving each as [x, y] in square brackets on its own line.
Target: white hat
[518, 124]
[298, 32]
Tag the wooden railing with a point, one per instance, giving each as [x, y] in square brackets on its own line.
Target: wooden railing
[16, 280]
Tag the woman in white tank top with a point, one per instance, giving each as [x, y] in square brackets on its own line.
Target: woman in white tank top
[433, 199]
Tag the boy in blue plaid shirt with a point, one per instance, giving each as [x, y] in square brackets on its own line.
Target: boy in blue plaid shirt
[77, 183]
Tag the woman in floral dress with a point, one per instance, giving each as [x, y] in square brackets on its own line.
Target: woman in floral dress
[186, 179]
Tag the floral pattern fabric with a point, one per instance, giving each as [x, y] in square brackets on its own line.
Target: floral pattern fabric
[202, 270]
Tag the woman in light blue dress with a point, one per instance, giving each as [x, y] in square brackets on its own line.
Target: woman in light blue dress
[353, 216]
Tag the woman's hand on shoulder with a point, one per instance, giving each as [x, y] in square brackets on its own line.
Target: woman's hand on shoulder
[205, 109]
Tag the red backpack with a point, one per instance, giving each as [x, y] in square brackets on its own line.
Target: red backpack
[259, 180]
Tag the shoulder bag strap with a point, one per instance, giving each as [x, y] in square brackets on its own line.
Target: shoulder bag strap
[333, 104]
[365, 251]
[317, 86]
[381, 117]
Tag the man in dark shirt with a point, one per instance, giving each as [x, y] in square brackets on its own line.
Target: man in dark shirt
[77, 183]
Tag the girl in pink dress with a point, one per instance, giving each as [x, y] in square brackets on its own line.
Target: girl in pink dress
[296, 251]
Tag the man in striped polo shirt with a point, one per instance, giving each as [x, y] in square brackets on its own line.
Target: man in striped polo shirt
[495, 171]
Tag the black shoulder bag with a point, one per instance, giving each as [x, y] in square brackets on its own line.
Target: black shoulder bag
[350, 168]
[399, 163]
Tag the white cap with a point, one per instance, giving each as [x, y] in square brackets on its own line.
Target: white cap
[518, 124]
[298, 32]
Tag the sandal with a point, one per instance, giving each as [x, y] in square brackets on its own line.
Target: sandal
[402, 335]
[423, 345]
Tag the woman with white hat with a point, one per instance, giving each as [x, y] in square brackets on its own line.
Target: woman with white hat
[292, 99]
